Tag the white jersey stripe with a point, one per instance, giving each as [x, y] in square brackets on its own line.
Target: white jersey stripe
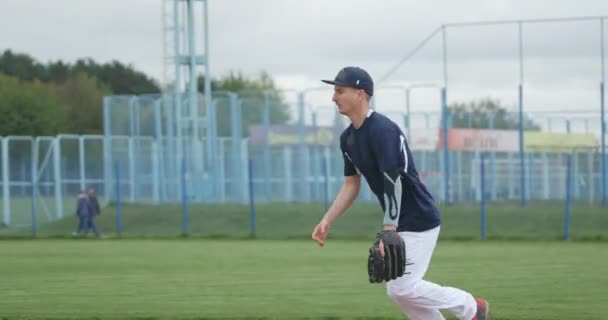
[404, 151]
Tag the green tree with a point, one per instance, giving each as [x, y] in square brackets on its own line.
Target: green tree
[29, 108]
[253, 93]
[57, 72]
[21, 66]
[82, 96]
[79, 87]
[486, 113]
[118, 77]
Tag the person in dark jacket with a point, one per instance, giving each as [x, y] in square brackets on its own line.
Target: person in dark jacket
[82, 212]
[93, 211]
[94, 204]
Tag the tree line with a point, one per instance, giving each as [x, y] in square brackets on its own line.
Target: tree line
[60, 97]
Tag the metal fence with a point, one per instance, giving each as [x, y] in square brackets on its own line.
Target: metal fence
[41, 175]
[294, 161]
[282, 147]
[290, 158]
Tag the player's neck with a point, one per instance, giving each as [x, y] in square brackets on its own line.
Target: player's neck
[358, 117]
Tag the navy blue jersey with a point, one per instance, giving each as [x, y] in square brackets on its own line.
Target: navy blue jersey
[379, 151]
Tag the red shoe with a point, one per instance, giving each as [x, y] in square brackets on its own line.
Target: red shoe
[483, 310]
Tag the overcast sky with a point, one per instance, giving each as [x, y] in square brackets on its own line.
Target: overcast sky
[299, 42]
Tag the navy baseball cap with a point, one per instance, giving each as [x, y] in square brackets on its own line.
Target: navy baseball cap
[354, 77]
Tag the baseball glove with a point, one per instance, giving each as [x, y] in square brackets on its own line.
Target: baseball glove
[392, 265]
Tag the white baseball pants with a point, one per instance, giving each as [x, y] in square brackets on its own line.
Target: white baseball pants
[420, 299]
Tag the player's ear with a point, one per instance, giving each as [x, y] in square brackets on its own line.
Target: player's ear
[362, 95]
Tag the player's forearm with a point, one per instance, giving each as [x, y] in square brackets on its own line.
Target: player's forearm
[393, 193]
[343, 201]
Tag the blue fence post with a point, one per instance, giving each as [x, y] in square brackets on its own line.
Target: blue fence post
[325, 184]
[483, 198]
[522, 165]
[568, 195]
[603, 133]
[23, 171]
[266, 155]
[184, 199]
[33, 179]
[531, 176]
[251, 201]
[603, 116]
[118, 201]
[446, 155]
[303, 161]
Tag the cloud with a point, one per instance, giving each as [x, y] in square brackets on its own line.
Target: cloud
[300, 42]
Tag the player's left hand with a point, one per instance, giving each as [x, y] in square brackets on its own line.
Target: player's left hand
[381, 244]
[386, 259]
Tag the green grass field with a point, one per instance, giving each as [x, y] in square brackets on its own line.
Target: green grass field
[237, 279]
[296, 220]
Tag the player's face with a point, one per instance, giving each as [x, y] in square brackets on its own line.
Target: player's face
[347, 99]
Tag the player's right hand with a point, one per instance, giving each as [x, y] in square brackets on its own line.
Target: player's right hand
[319, 234]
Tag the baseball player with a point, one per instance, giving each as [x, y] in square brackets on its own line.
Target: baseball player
[375, 147]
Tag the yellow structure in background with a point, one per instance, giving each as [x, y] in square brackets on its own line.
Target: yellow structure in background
[558, 142]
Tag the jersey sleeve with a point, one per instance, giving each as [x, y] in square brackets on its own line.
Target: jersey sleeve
[349, 166]
[390, 153]
[389, 149]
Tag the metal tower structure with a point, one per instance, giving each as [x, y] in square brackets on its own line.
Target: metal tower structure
[186, 54]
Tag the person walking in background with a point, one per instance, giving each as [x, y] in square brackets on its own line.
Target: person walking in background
[82, 211]
[93, 202]
[93, 210]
